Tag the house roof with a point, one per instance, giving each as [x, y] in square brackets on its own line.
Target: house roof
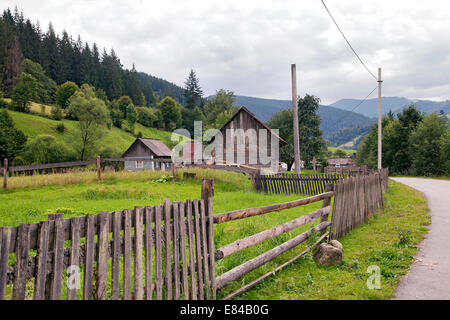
[242, 108]
[156, 146]
[340, 161]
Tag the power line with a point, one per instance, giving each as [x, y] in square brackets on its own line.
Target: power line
[360, 60]
[354, 108]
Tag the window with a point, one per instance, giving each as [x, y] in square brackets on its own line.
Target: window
[139, 164]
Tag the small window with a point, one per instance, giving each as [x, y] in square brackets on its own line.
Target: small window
[139, 164]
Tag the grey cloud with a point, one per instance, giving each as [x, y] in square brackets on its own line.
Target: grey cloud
[248, 46]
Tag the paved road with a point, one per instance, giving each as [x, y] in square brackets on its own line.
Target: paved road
[429, 276]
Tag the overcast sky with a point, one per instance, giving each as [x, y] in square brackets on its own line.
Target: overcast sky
[248, 46]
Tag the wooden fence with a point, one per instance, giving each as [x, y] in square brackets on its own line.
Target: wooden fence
[166, 249]
[39, 167]
[241, 244]
[357, 198]
[289, 183]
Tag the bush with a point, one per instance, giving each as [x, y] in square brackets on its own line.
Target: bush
[4, 104]
[146, 116]
[60, 127]
[64, 93]
[42, 109]
[45, 149]
[57, 113]
[24, 92]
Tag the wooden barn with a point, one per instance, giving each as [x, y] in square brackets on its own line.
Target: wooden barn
[145, 149]
[248, 146]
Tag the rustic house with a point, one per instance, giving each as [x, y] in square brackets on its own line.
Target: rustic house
[246, 146]
[142, 150]
[341, 162]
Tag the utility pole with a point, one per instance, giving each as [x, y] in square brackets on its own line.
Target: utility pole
[379, 119]
[295, 113]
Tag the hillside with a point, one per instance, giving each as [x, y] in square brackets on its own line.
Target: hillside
[334, 120]
[369, 107]
[120, 140]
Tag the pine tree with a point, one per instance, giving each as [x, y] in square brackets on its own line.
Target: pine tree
[192, 92]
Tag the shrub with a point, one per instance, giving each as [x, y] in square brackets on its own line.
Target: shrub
[146, 116]
[60, 127]
[24, 92]
[57, 113]
[42, 109]
[64, 93]
[4, 104]
[45, 149]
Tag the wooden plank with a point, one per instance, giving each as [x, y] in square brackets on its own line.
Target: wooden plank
[58, 260]
[168, 251]
[184, 265]
[41, 267]
[176, 251]
[89, 257]
[21, 260]
[138, 250]
[198, 246]
[149, 217]
[270, 273]
[117, 248]
[75, 227]
[191, 249]
[244, 213]
[210, 224]
[254, 239]
[158, 252]
[102, 257]
[258, 261]
[204, 246]
[127, 255]
[5, 238]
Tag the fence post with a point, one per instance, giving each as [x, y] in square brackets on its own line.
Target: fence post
[5, 173]
[98, 169]
[173, 169]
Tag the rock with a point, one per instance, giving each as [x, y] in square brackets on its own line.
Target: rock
[326, 254]
[336, 244]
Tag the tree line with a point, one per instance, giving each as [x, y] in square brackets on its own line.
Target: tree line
[65, 59]
[413, 143]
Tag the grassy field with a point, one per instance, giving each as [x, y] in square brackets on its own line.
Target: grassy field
[34, 125]
[375, 242]
[347, 151]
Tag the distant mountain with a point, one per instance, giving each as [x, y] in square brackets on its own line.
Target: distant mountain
[369, 107]
[338, 126]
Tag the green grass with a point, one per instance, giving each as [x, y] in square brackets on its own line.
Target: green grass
[347, 151]
[375, 242]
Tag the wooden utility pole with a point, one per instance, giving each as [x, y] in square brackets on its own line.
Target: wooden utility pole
[379, 120]
[295, 113]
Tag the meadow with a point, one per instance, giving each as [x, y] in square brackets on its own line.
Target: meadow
[388, 240]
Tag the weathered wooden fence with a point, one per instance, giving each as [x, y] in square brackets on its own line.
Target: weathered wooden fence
[356, 199]
[163, 252]
[349, 171]
[287, 183]
[241, 244]
[60, 165]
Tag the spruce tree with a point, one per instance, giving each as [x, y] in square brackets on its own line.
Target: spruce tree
[192, 92]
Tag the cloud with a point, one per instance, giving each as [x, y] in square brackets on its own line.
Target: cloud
[248, 46]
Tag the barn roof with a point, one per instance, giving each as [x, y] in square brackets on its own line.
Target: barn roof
[156, 146]
[242, 108]
[340, 161]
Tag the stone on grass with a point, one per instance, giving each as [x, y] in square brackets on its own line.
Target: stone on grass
[326, 254]
[336, 244]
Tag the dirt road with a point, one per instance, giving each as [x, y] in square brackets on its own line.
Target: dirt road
[429, 276]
